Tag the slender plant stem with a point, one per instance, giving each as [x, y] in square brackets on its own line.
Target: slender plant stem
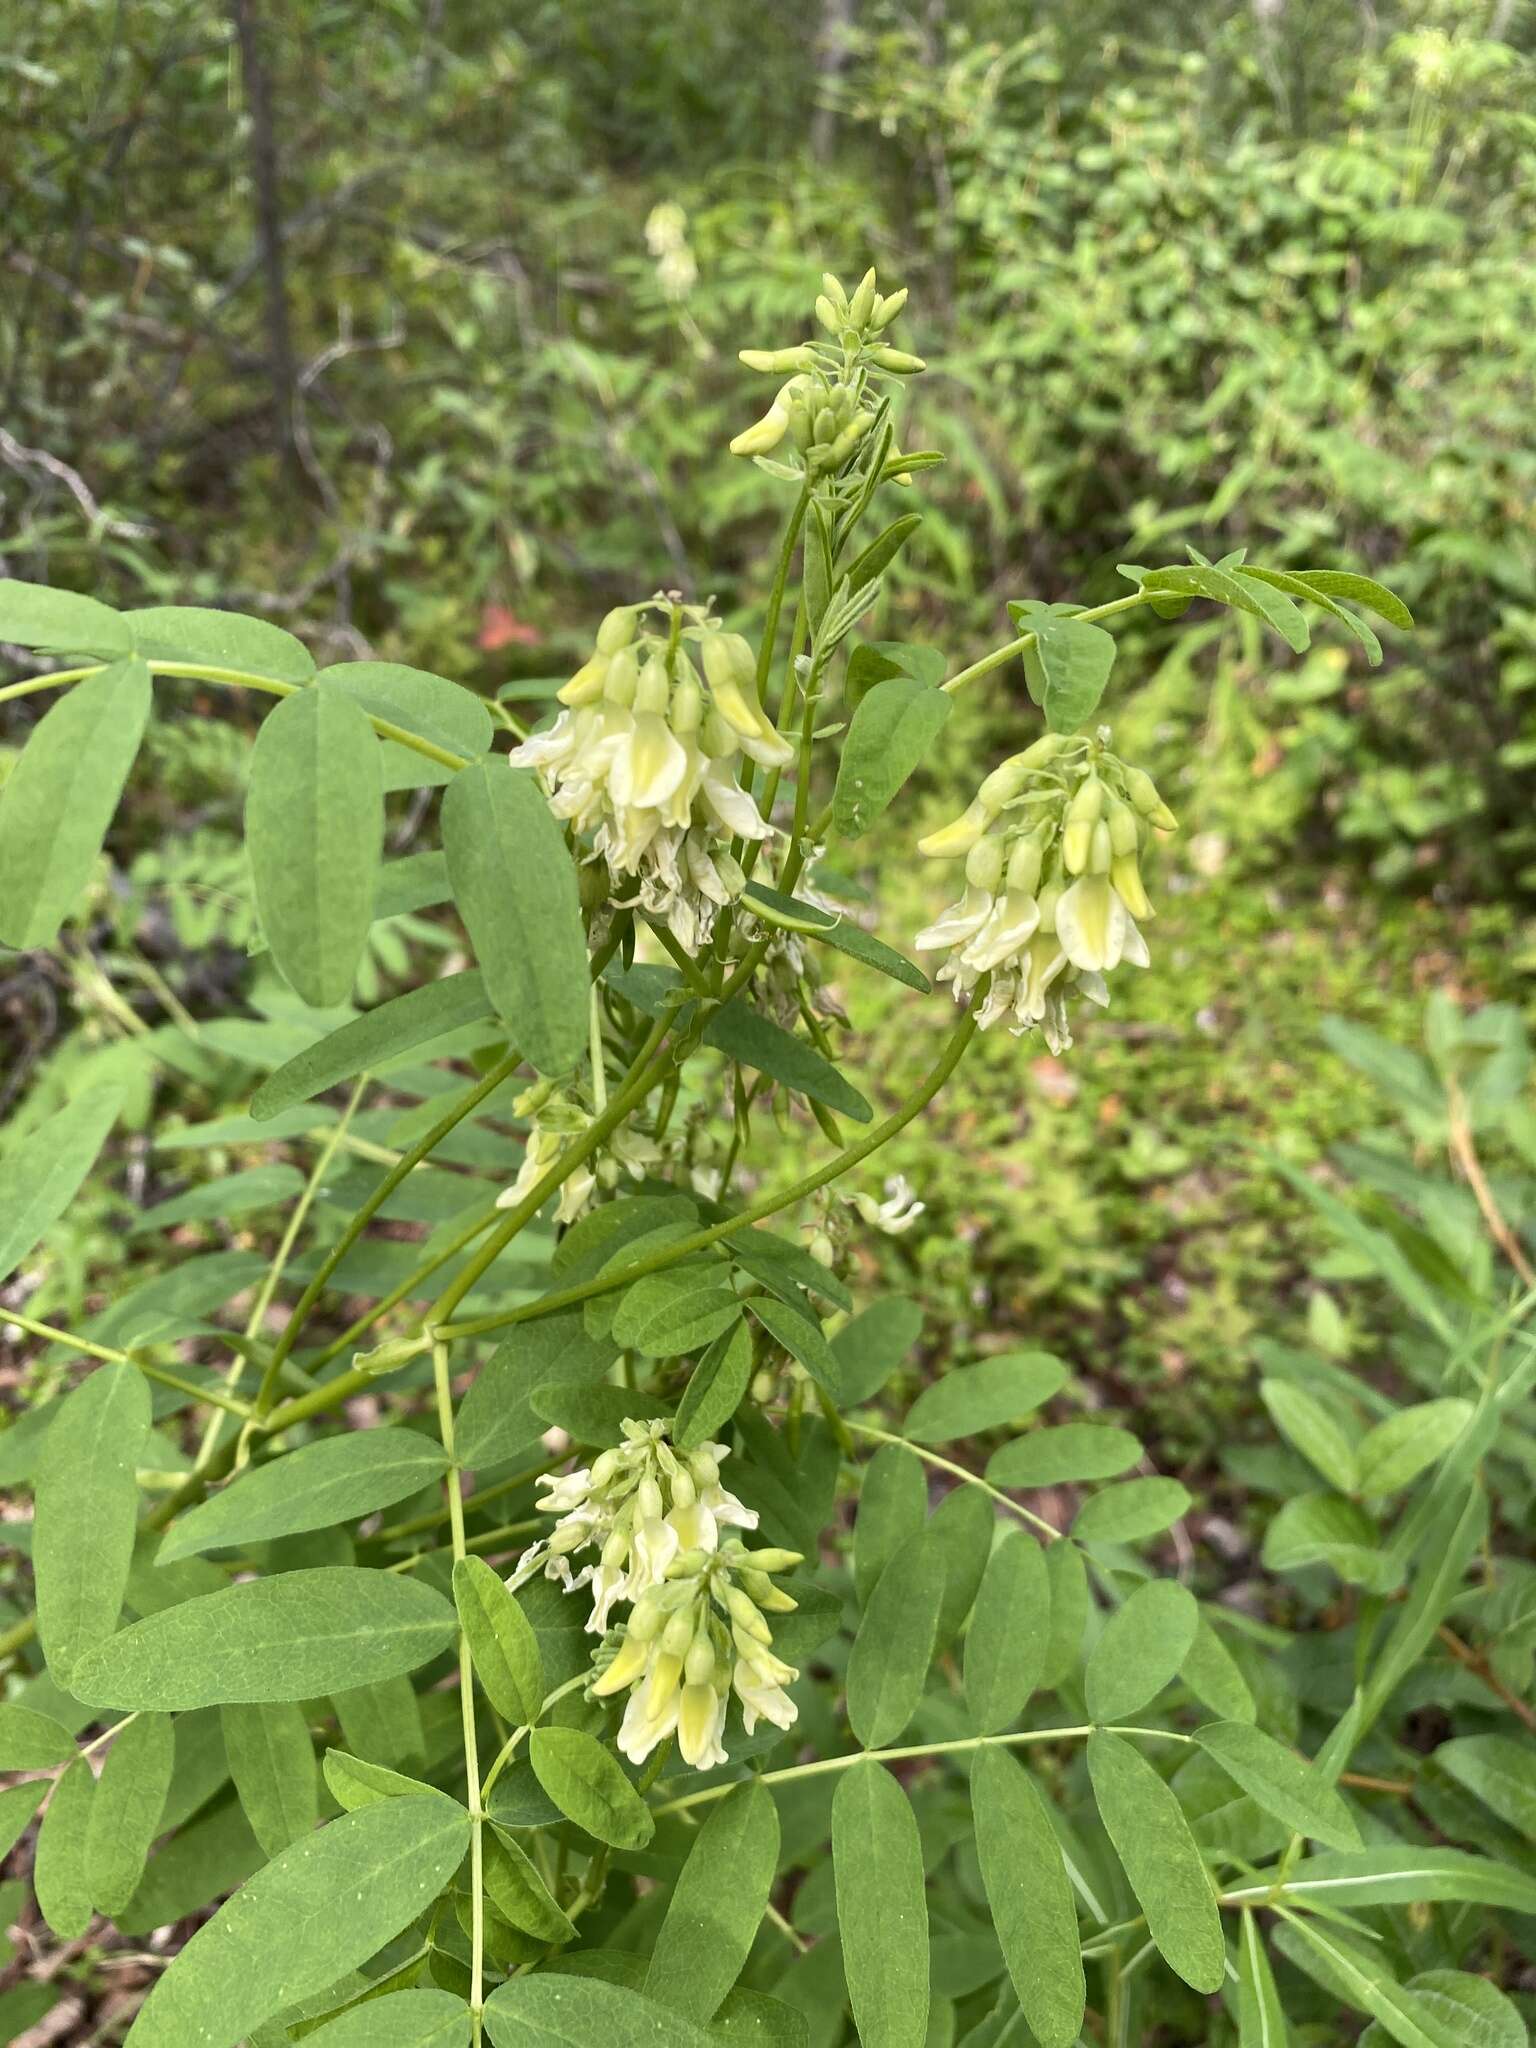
[928, 1457]
[444, 1389]
[999, 655]
[418, 1524]
[109, 1356]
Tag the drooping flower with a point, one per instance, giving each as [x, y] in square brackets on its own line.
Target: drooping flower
[556, 1116]
[1053, 889]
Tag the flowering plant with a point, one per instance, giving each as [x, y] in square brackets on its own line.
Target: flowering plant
[507, 1716]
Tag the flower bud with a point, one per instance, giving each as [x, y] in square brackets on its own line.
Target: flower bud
[1024, 864]
[616, 1549]
[1142, 791]
[1082, 814]
[605, 1468]
[699, 1663]
[688, 1564]
[653, 690]
[779, 361]
[618, 628]
[704, 1466]
[728, 657]
[677, 1636]
[586, 686]
[646, 1618]
[886, 309]
[625, 1668]
[1100, 849]
[687, 713]
[648, 1500]
[960, 835]
[862, 304]
[824, 425]
[1124, 836]
[828, 314]
[1128, 885]
[1004, 783]
[834, 292]
[1041, 752]
[623, 674]
[745, 1615]
[984, 864]
[772, 1560]
[684, 1492]
[897, 361]
[766, 433]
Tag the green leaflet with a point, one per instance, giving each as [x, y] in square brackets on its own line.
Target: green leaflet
[1068, 664]
[1283, 1783]
[1453, 2005]
[1161, 1860]
[1261, 2018]
[888, 1665]
[30, 1741]
[60, 621]
[1399, 1876]
[18, 1803]
[1363, 1980]
[60, 797]
[895, 724]
[403, 2019]
[353, 1781]
[715, 1390]
[218, 639]
[515, 885]
[335, 1480]
[1006, 1643]
[1143, 1645]
[985, 1396]
[81, 1556]
[41, 1176]
[1030, 1897]
[497, 1419]
[431, 707]
[126, 1810]
[1396, 1451]
[502, 1644]
[235, 1194]
[1072, 1452]
[882, 1910]
[828, 928]
[282, 1937]
[1069, 1612]
[717, 1905]
[272, 1761]
[585, 1782]
[869, 1349]
[283, 1638]
[595, 1415]
[60, 1876]
[518, 1893]
[801, 1336]
[893, 1505]
[745, 1034]
[1500, 1770]
[667, 1314]
[314, 825]
[961, 1530]
[381, 1722]
[1323, 1528]
[1212, 1675]
[1243, 593]
[395, 1027]
[1303, 1420]
[559, 2011]
[417, 881]
[1131, 1511]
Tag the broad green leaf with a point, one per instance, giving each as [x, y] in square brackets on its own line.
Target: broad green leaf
[595, 1415]
[801, 1336]
[283, 1638]
[59, 799]
[1305, 1422]
[869, 1349]
[272, 1761]
[515, 884]
[1365, 1981]
[961, 1530]
[1142, 1647]
[784, 1268]
[60, 1875]
[40, 1174]
[1400, 1876]
[1070, 1603]
[191, 633]
[60, 621]
[893, 728]
[1161, 1860]
[1131, 1511]
[745, 1034]
[888, 1665]
[882, 1908]
[285, 1935]
[985, 1396]
[18, 1803]
[1212, 1674]
[1067, 666]
[717, 1905]
[716, 1388]
[1396, 1451]
[1282, 1782]
[1321, 1528]
[551, 2010]
[234, 1194]
[1297, 586]
[1364, 590]
[1454, 2006]
[496, 1418]
[1498, 1769]
[402, 2019]
[1006, 1643]
[430, 706]
[585, 1782]
[893, 1505]
[1072, 1452]
[517, 1891]
[1206, 580]
[1029, 1896]
[416, 881]
[30, 1741]
[381, 1722]
[126, 1810]
[335, 1480]
[353, 1781]
[81, 1559]
[502, 1643]
[840, 932]
[1260, 2016]
[314, 825]
[667, 1314]
[408, 1020]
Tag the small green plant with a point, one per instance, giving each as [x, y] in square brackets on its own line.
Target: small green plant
[529, 1711]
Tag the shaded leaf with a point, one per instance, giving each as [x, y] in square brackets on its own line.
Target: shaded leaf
[882, 1909]
[502, 1644]
[126, 1810]
[272, 1762]
[81, 1561]
[1141, 1649]
[1029, 1896]
[1006, 1643]
[41, 1173]
[1282, 1782]
[585, 1782]
[395, 1027]
[335, 1480]
[894, 726]
[1161, 1860]
[717, 1905]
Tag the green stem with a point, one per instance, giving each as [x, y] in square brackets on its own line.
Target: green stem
[884, 1436]
[109, 1356]
[755, 1212]
[999, 655]
[419, 1524]
[444, 1390]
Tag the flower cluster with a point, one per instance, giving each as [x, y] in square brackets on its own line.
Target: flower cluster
[823, 406]
[1052, 845]
[656, 1517]
[557, 1115]
[644, 757]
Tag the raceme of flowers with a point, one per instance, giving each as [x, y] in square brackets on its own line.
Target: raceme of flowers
[644, 757]
[698, 1598]
[1052, 846]
[556, 1116]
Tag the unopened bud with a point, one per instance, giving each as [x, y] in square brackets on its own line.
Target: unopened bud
[1124, 836]
[623, 674]
[688, 1564]
[959, 836]
[779, 361]
[391, 1355]
[897, 361]
[1142, 791]
[728, 657]
[1126, 878]
[862, 304]
[648, 1500]
[605, 1468]
[773, 1560]
[764, 434]
[684, 1492]
[1004, 783]
[1100, 849]
[833, 290]
[704, 1466]
[828, 314]
[745, 1615]
[687, 713]
[886, 309]
[616, 1549]
[618, 628]
[1024, 864]
[677, 1636]
[646, 1619]
[653, 691]
[699, 1663]
[984, 864]
[586, 686]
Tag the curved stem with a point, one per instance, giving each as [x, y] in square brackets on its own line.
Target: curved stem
[999, 655]
[885, 1436]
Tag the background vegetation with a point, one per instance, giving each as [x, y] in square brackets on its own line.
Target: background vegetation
[415, 329]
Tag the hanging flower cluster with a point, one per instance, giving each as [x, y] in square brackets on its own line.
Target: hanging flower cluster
[644, 758]
[1052, 845]
[557, 1115]
[656, 1518]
